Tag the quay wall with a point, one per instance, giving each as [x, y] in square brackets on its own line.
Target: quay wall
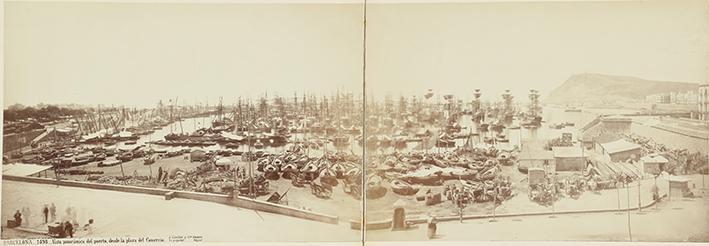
[242, 202]
[248, 203]
[374, 225]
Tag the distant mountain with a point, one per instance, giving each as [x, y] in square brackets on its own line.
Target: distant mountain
[591, 88]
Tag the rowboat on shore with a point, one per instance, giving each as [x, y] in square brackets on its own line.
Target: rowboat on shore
[402, 187]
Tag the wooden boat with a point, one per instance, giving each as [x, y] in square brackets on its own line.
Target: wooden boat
[402, 188]
[429, 180]
[504, 158]
[320, 189]
[150, 159]
[310, 170]
[374, 188]
[488, 174]
[261, 164]
[339, 170]
[341, 140]
[127, 156]
[327, 176]
[259, 145]
[270, 171]
[459, 174]
[109, 162]
[289, 170]
[232, 145]
[83, 160]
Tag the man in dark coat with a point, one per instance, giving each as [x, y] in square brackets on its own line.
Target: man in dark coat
[18, 218]
[45, 211]
[69, 228]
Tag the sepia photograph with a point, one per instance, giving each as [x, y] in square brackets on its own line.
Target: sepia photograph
[537, 121]
[182, 122]
[355, 122]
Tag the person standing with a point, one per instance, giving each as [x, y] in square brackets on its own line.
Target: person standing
[53, 212]
[45, 211]
[18, 218]
[69, 229]
[24, 213]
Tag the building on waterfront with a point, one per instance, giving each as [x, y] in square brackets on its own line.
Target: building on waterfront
[620, 150]
[569, 158]
[536, 175]
[653, 164]
[703, 102]
[536, 159]
[678, 185]
[684, 97]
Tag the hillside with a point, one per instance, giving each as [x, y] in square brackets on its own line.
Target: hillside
[600, 88]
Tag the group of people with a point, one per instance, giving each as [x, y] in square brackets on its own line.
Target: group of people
[22, 217]
[496, 190]
[67, 228]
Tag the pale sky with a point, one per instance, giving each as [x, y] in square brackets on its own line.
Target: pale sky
[137, 53]
[455, 48]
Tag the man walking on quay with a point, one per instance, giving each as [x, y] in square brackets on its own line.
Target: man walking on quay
[45, 211]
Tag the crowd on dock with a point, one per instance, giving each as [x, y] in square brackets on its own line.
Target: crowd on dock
[66, 225]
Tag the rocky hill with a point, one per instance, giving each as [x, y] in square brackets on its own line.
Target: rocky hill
[607, 89]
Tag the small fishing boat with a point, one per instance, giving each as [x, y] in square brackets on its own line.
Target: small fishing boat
[459, 174]
[109, 162]
[402, 188]
[270, 171]
[150, 159]
[310, 170]
[82, 160]
[289, 170]
[232, 145]
[261, 164]
[127, 156]
[339, 170]
[341, 140]
[327, 176]
[259, 145]
[374, 188]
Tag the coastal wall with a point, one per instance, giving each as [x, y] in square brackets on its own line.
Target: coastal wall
[242, 202]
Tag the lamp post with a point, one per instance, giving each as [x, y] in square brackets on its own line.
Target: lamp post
[630, 234]
[494, 204]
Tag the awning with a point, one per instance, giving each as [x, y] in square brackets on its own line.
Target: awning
[20, 170]
[568, 152]
[618, 146]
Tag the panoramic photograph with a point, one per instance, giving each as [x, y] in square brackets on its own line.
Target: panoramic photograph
[350, 122]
